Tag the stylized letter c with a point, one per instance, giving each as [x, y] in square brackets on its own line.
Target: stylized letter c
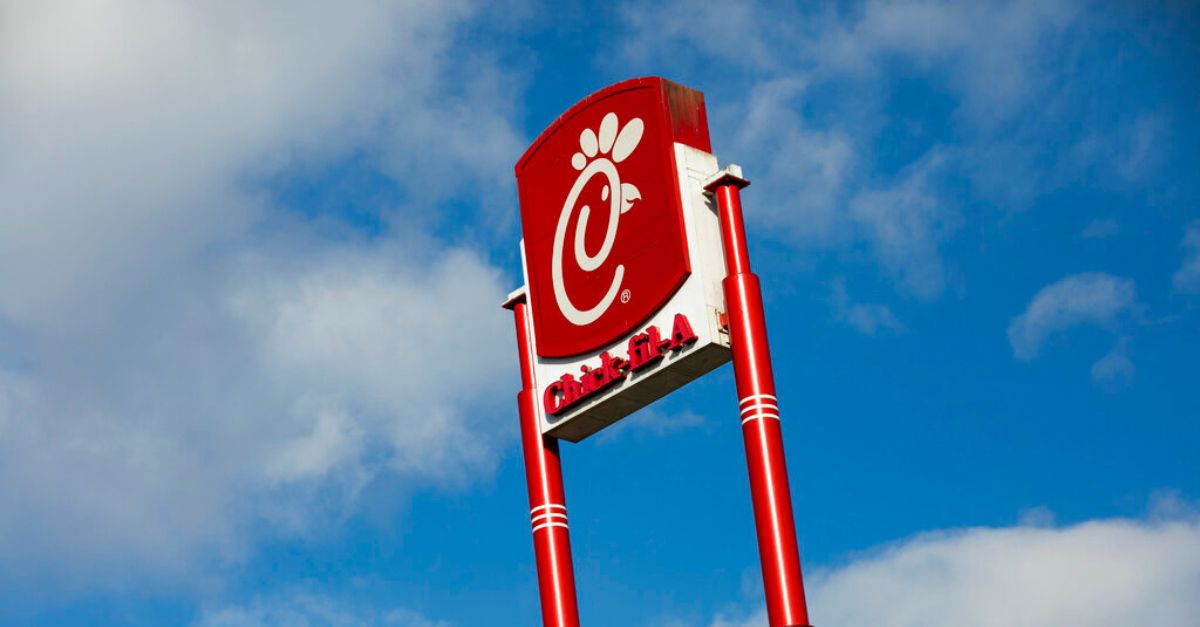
[587, 262]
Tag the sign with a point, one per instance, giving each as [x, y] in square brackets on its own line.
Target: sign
[634, 287]
[645, 350]
[622, 254]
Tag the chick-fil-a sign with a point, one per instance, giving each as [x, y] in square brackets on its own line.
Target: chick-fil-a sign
[637, 281]
[622, 254]
[644, 350]
[602, 216]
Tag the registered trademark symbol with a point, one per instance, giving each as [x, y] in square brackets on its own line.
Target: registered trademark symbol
[625, 296]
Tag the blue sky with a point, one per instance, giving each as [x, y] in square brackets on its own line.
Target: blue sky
[253, 369]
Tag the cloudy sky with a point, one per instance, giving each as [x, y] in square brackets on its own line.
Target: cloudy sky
[253, 369]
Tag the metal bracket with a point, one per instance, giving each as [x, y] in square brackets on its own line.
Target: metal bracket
[728, 175]
[516, 296]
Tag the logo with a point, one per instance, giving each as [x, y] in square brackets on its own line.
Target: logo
[598, 156]
[602, 216]
[644, 350]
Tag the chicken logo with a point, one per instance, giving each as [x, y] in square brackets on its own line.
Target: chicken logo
[600, 153]
[603, 223]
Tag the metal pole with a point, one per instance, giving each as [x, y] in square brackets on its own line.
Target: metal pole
[547, 503]
[759, 407]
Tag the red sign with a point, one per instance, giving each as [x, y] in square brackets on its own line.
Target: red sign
[645, 349]
[602, 216]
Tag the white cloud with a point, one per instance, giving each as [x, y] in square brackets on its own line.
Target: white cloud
[867, 318]
[802, 170]
[1090, 298]
[305, 609]
[905, 225]
[333, 439]
[992, 53]
[1037, 516]
[1187, 278]
[264, 407]
[658, 25]
[1125, 152]
[1115, 366]
[133, 133]
[382, 334]
[754, 619]
[1120, 571]
[186, 366]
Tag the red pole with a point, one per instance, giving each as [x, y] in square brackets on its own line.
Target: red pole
[769, 491]
[547, 504]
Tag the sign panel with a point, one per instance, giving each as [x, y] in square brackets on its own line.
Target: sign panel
[622, 254]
